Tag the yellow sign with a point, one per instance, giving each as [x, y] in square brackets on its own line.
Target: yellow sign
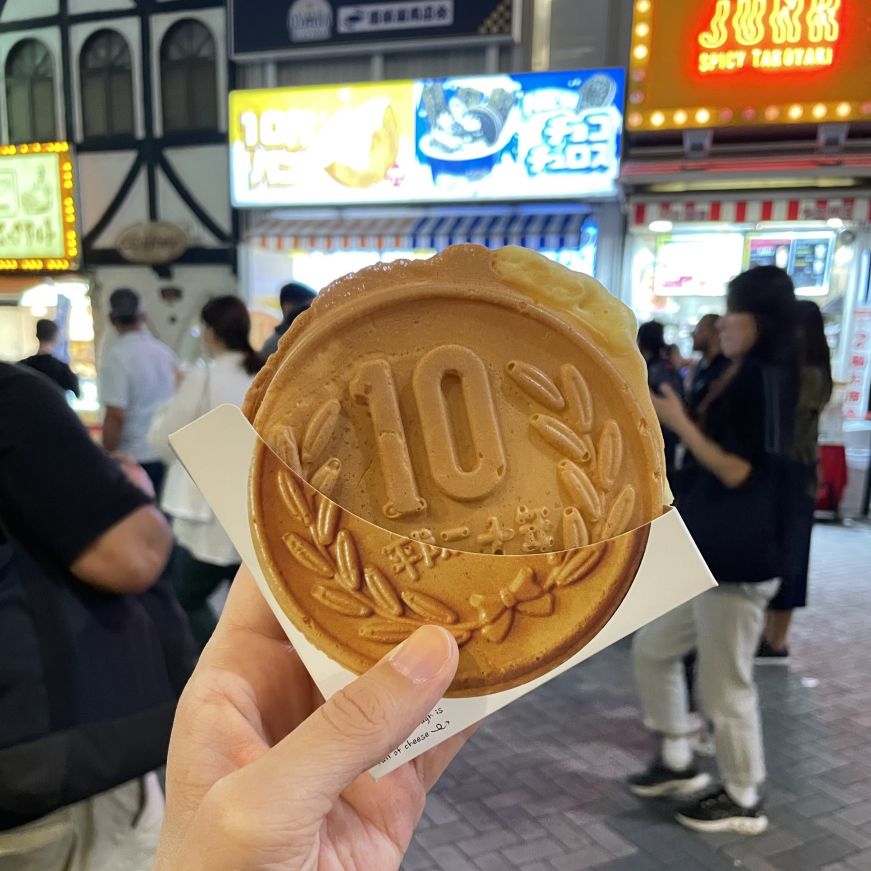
[719, 63]
[320, 144]
[37, 208]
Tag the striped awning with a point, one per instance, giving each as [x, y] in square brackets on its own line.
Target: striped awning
[544, 230]
[748, 210]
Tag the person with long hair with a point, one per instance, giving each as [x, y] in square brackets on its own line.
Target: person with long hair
[815, 391]
[730, 495]
[204, 557]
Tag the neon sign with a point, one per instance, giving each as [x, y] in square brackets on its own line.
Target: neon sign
[727, 63]
[38, 225]
[783, 35]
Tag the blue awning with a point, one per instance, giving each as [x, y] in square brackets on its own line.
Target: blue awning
[542, 229]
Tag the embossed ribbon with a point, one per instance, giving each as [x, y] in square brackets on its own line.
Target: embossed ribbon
[523, 596]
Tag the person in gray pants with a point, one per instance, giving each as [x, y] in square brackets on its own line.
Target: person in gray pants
[728, 493]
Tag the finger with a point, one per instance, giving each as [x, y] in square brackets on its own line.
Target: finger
[246, 609]
[668, 391]
[250, 644]
[358, 726]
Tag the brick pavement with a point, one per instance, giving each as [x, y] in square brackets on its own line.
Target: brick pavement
[539, 787]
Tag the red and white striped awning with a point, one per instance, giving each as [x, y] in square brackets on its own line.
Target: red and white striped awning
[747, 210]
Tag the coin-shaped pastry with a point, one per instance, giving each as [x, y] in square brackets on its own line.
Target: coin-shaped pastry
[489, 403]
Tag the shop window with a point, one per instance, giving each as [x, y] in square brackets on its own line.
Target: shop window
[106, 81]
[188, 83]
[30, 104]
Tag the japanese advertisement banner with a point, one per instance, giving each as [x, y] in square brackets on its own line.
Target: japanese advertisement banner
[527, 136]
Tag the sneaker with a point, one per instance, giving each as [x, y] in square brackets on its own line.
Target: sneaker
[659, 780]
[716, 812]
[768, 655]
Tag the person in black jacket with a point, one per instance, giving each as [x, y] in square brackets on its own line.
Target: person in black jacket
[95, 650]
[44, 360]
[730, 487]
[294, 299]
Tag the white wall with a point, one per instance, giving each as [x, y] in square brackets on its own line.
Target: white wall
[21, 10]
[170, 323]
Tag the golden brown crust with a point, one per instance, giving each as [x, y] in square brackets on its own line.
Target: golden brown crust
[515, 618]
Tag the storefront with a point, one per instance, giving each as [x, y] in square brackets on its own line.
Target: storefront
[747, 130]
[39, 258]
[681, 253]
[336, 178]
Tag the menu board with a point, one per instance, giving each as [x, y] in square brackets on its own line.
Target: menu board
[529, 136]
[807, 259]
[37, 208]
[770, 252]
[811, 264]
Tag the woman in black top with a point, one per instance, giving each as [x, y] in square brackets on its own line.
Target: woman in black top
[729, 497]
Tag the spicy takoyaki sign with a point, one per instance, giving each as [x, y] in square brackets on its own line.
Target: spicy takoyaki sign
[535, 135]
[717, 63]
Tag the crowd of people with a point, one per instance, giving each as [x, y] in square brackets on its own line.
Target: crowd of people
[106, 592]
[741, 435]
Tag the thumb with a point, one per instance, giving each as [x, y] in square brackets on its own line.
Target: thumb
[362, 723]
[667, 390]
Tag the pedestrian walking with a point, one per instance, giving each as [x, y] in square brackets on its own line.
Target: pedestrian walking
[710, 366]
[815, 391]
[730, 495]
[136, 375]
[44, 360]
[204, 556]
[294, 299]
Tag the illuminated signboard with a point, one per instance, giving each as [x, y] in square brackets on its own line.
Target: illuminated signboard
[37, 208]
[717, 63]
[529, 136]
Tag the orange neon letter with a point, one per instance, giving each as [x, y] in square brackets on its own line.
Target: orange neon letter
[717, 35]
[749, 21]
[786, 23]
[822, 21]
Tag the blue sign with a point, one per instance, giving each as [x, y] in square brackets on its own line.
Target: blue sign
[532, 135]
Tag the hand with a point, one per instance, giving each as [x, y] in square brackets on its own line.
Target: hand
[669, 408]
[262, 774]
[135, 473]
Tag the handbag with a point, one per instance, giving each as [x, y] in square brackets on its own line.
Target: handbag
[90, 684]
[181, 498]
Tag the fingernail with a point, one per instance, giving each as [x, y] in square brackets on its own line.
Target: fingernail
[423, 656]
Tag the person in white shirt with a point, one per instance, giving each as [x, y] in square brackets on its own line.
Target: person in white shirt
[204, 556]
[136, 376]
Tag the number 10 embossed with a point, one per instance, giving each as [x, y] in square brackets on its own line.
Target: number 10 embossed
[373, 385]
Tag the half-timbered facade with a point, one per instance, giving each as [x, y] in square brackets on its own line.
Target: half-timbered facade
[139, 87]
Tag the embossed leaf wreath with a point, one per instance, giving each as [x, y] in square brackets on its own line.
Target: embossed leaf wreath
[589, 467]
[588, 473]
